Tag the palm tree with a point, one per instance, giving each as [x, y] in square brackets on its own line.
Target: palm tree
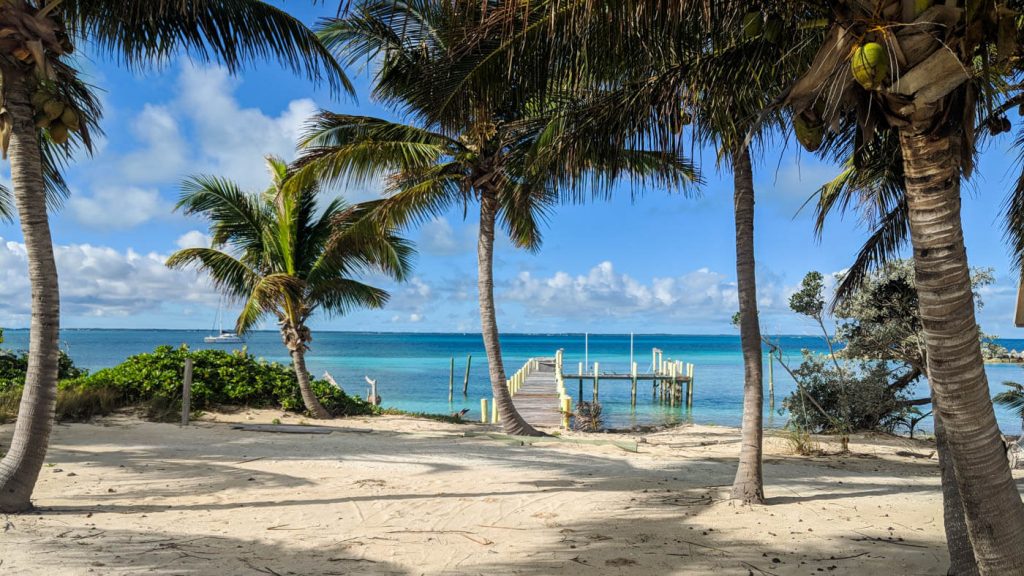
[899, 67]
[284, 256]
[38, 38]
[512, 153]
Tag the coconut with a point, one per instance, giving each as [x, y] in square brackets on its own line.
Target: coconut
[870, 65]
[53, 108]
[59, 133]
[752, 23]
[809, 134]
[41, 120]
[70, 118]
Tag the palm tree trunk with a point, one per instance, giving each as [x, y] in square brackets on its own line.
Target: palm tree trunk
[748, 485]
[313, 405]
[20, 467]
[961, 555]
[510, 418]
[991, 502]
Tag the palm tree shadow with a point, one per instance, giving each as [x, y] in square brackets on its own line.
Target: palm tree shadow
[167, 552]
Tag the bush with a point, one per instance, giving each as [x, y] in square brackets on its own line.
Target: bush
[77, 404]
[858, 399]
[14, 365]
[218, 378]
[153, 381]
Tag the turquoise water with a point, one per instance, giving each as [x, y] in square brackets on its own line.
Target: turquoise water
[412, 369]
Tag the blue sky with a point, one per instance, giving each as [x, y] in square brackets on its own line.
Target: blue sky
[664, 263]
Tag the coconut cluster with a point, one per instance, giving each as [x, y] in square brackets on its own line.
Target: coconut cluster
[58, 118]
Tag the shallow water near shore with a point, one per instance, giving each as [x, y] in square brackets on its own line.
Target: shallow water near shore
[412, 369]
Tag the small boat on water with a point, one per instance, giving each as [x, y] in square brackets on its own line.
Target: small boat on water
[225, 337]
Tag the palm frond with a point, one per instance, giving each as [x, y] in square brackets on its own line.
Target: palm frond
[339, 296]
[231, 32]
[229, 274]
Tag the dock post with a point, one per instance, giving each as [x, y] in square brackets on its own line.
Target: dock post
[654, 360]
[580, 395]
[596, 372]
[689, 389]
[632, 389]
[771, 381]
[465, 381]
[672, 397]
[494, 411]
[186, 392]
[483, 410]
[566, 411]
[451, 380]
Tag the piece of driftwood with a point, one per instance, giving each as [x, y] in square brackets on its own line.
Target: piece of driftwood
[329, 378]
[284, 428]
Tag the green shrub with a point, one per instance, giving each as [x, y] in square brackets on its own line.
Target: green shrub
[153, 381]
[860, 398]
[13, 366]
[218, 378]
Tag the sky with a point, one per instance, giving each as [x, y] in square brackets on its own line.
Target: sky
[663, 262]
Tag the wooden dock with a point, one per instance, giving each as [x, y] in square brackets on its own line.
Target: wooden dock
[541, 394]
[536, 397]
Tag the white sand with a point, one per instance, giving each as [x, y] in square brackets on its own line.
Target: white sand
[418, 497]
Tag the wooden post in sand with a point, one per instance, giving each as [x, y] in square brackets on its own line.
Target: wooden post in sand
[186, 392]
[566, 411]
[483, 410]
[494, 411]
[465, 381]
[451, 380]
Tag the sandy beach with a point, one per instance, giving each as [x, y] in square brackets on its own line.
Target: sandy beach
[398, 495]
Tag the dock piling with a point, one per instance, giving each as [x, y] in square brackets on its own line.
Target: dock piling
[597, 371]
[451, 380]
[465, 381]
[632, 388]
[483, 410]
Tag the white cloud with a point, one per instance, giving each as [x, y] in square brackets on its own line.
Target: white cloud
[100, 281]
[437, 237]
[164, 154]
[232, 140]
[702, 294]
[193, 239]
[118, 207]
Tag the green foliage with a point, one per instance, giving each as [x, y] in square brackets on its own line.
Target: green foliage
[809, 300]
[446, 418]
[13, 366]
[1012, 398]
[218, 378]
[853, 399]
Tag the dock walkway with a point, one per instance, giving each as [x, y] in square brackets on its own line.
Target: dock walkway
[539, 388]
[536, 398]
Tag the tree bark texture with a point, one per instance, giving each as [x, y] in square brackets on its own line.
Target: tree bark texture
[748, 486]
[20, 467]
[991, 502]
[510, 418]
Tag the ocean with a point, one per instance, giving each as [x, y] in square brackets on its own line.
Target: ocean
[412, 369]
